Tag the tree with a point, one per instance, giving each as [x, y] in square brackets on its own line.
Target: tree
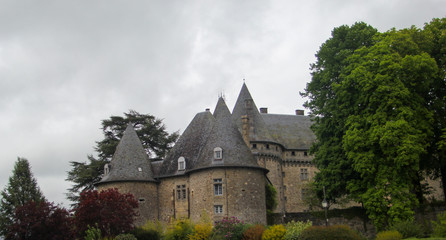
[112, 211]
[40, 220]
[329, 156]
[151, 131]
[22, 188]
[389, 124]
[378, 103]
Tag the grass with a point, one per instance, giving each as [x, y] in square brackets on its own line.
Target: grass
[432, 238]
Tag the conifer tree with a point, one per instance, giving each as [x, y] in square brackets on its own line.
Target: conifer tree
[22, 188]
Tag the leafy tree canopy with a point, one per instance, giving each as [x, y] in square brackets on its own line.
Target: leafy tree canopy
[377, 100]
[41, 220]
[151, 131]
[112, 211]
[22, 188]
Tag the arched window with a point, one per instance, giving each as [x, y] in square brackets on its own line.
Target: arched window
[218, 153]
[181, 163]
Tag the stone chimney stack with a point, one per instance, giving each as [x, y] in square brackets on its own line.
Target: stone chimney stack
[208, 110]
[300, 112]
[245, 129]
[263, 110]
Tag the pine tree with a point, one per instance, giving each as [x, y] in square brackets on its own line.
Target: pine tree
[22, 188]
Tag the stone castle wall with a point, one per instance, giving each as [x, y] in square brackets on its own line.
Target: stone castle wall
[145, 194]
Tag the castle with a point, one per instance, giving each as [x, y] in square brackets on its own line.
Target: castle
[219, 165]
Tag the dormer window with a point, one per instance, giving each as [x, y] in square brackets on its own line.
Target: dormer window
[181, 163]
[106, 169]
[218, 153]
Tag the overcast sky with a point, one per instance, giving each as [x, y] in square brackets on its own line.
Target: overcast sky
[66, 65]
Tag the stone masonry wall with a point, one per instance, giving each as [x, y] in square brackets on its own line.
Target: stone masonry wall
[145, 194]
[243, 194]
[169, 203]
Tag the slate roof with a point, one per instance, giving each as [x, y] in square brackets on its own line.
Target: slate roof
[291, 131]
[260, 132]
[128, 159]
[204, 133]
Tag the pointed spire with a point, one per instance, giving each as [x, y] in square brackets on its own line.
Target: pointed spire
[221, 109]
[130, 161]
[245, 106]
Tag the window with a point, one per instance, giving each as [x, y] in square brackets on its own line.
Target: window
[141, 200]
[218, 153]
[293, 153]
[218, 187]
[254, 146]
[305, 154]
[267, 146]
[218, 209]
[181, 163]
[283, 174]
[181, 192]
[303, 174]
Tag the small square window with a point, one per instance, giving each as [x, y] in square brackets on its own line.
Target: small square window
[218, 209]
[293, 153]
[305, 154]
[254, 146]
[267, 146]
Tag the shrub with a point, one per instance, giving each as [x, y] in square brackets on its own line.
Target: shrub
[389, 235]
[254, 232]
[146, 234]
[337, 232]
[93, 233]
[112, 211]
[439, 226]
[231, 228]
[126, 236]
[275, 232]
[408, 229]
[294, 229]
[202, 231]
[179, 230]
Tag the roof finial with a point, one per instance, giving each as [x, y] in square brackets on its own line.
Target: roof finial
[221, 95]
[243, 80]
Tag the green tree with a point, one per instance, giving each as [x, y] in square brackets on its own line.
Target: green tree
[434, 42]
[379, 116]
[389, 123]
[22, 188]
[329, 156]
[151, 131]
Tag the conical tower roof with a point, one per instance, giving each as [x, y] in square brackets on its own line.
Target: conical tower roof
[245, 105]
[130, 161]
[204, 134]
[225, 135]
[189, 144]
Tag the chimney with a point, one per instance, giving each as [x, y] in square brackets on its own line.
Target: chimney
[263, 110]
[245, 129]
[300, 112]
[208, 110]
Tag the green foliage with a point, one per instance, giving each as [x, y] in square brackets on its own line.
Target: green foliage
[439, 226]
[329, 156]
[156, 226]
[21, 189]
[93, 233]
[146, 234]
[202, 231]
[408, 229]
[254, 232]
[151, 131]
[126, 236]
[389, 235]
[294, 229]
[231, 228]
[338, 232]
[378, 103]
[275, 232]
[271, 202]
[179, 229]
